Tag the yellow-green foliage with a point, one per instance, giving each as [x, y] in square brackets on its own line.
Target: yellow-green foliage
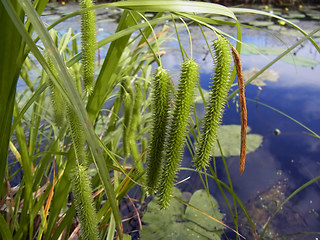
[82, 192]
[177, 131]
[219, 90]
[88, 42]
[160, 109]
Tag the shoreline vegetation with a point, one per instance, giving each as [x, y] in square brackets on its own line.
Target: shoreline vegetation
[81, 145]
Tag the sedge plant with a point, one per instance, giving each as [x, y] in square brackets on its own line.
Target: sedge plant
[80, 158]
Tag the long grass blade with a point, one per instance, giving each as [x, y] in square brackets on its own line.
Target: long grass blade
[4, 229]
[10, 64]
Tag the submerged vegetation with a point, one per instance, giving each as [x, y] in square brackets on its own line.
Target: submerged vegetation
[84, 136]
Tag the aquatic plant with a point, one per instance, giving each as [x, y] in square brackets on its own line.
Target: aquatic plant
[218, 93]
[160, 109]
[83, 199]
[177, 130]
[88, 44]
[107, 124]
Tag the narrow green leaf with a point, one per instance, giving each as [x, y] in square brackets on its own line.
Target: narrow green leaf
[4, 229]
[107, 76]
[10, 64]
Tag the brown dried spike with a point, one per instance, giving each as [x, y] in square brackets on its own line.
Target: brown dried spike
[243, 109]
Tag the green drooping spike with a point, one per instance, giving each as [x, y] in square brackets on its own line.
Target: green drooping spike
[88, 44]
[81, 188]
[78, 136]
[56, 98]
[127, 98]
[178, 129]
[160, 111]
[135, 121]
[219, 90]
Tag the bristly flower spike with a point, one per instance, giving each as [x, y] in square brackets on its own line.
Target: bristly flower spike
[81, 188]
[88, 43]
[177, 131]
[219, 90]
[160, 108]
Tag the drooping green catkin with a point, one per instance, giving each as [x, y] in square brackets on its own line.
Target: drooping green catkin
[88, 44]
[82, 191]
[219, 90]
[160, 111]
[135, 119]
[177, 131]
[78, 135]
[56, 98]
[115, 113]
[127, 98]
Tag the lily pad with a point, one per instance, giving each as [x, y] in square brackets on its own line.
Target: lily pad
[314, 15]
[268, 75]
[275, 27]
[295, 15]
[261, 23]
[300, 61]
[292, 59]
[229, 139]
[176, 222]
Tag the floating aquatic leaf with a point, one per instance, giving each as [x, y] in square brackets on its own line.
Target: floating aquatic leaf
[268, 75]
[292, 59]
[300, 61]
[313, 15]
[176, 222]
[261, 23]
[209, 205]
[275, 27]
[294, 15]
[165, 223]
[229, 139]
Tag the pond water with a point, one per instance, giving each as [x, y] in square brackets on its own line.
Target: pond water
[284, 161]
